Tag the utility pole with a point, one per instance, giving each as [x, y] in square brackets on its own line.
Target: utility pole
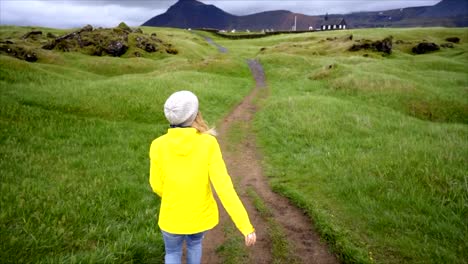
[295, 23]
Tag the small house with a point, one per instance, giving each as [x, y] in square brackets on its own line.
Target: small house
[333, 24]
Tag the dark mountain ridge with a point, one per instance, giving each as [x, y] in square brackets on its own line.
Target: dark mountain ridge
[195, 14]
[192, 13]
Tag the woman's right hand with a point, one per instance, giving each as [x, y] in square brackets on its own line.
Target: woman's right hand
[250, 239]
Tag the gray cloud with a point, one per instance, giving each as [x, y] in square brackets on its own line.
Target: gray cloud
[67, 14]
[77, 13]
[153, 4]
[320, 7]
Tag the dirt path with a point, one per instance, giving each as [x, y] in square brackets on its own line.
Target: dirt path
[244, 165]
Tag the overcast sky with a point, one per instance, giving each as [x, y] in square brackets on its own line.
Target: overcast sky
[77, 13]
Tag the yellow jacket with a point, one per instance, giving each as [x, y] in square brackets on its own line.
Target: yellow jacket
[183, 164]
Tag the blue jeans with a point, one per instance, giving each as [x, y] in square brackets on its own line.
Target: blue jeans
[173, 244]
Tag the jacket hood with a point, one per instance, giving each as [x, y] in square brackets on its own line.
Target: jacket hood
[181, 140]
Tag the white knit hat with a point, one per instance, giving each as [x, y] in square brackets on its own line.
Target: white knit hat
[181, 108]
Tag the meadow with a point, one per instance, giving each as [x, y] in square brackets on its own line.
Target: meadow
[374, 148]
[75, 138]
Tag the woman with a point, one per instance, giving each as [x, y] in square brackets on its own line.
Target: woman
[184, 162]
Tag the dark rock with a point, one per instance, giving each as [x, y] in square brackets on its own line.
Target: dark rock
[67, 36]
[447, 45]
[19, 52]
[150, 47]
[425, 47]
[453, 39]
[263, 49]
[172, 51]
[5, 48]
[30, 57]
[137, 54]
[32, 33]
[384, 46]
[116, 48]
[357, 47]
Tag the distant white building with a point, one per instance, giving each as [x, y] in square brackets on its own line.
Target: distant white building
[333, 24]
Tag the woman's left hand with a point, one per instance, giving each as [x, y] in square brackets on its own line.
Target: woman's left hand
[250, 239]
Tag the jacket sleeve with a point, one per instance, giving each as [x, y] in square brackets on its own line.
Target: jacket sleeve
[155, 179]
[222, 183]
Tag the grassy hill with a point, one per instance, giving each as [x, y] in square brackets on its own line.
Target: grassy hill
[373, 147]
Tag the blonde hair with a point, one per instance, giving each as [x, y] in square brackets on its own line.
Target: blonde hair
[200, 124]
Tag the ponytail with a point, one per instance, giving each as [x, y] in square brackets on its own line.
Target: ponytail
[200, 124]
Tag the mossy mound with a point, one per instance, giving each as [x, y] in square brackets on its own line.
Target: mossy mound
[88, 40]
[107, 41]
[384, 45]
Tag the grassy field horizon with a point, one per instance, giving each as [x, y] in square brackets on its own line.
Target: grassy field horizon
[373, 147]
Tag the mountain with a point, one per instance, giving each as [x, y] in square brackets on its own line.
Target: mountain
[448, 8]
[192, 13]
[195, 14]
[447, 13]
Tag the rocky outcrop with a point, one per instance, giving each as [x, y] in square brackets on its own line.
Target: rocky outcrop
[453, 39]
[146, 44]
[116, 48]
[425, 47]
[119, 41]
[18, 52]
[113, 41]
[384, 45]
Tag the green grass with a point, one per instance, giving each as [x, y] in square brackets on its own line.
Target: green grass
[373, 148]
[232, 251]
[74, 148]
[281, 249]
